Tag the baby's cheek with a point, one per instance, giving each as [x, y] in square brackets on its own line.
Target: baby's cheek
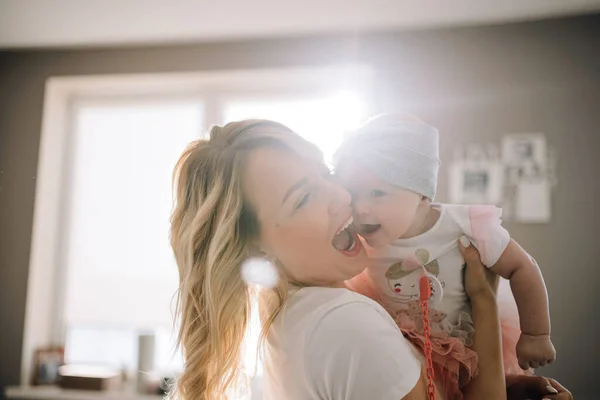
[399, 207]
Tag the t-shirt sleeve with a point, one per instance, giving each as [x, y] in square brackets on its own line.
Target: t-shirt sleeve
[483, 224]
[354, 352]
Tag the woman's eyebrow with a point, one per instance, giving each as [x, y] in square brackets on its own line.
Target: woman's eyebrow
[294, 187]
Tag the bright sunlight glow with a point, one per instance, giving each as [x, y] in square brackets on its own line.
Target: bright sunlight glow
[323, 120]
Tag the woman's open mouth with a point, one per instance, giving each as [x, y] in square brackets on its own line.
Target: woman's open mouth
[345, 241]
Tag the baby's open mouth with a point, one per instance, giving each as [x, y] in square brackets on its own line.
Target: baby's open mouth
[367, 229]
[345, 240]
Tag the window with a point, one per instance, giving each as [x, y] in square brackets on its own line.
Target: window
[108, 215]
[121, 276]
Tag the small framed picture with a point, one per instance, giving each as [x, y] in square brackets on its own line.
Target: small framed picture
[524, 150]
[476, 182]
[47, 363]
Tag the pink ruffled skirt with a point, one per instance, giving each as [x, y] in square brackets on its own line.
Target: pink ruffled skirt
[455, 364]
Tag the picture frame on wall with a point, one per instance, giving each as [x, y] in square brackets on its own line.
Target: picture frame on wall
[476, 182]
[47, 363]
[522, 150]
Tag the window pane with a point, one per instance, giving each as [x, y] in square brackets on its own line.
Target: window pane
[113, 347]
[119, 348]
[121, 274]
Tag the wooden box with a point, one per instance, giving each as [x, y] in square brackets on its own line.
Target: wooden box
[89, 378]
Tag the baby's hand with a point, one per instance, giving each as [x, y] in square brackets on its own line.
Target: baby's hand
[535, 351]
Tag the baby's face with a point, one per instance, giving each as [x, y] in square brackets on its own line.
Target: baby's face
[382, 212]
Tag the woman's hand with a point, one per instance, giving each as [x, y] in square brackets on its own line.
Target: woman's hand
[481, 285]
[479, 280]
[519, 387]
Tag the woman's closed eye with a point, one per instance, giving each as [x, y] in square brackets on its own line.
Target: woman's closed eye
[302, 201]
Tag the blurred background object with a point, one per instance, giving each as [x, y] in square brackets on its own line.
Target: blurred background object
[98, 99]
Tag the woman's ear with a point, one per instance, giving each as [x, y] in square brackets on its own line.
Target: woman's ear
[256, 250]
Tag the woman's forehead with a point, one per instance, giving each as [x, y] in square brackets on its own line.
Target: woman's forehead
[268, 175]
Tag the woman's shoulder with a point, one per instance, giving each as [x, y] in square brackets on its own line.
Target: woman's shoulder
[312, 313]
[327, 297]
[313, 304]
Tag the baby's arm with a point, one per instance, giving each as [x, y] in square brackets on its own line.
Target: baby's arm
[528, 288]
[534, 348]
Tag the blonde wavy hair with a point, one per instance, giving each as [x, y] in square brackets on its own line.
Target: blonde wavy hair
[213, 231]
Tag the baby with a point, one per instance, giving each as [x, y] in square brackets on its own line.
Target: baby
[390, 166]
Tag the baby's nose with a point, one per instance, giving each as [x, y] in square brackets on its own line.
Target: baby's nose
[360, 207]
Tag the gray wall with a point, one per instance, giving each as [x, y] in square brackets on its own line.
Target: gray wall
[473, 83]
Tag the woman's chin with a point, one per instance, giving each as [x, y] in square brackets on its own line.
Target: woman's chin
[355, 265]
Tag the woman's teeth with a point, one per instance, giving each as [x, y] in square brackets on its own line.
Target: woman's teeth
[352, 243]
[346, 225]
[344, 240]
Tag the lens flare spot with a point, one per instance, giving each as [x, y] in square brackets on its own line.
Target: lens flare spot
[256, 271]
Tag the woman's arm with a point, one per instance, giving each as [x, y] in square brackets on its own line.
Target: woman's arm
[490, 383]
[481, 285]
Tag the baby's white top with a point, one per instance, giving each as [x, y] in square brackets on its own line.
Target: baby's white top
[331, 343]
[481, 223]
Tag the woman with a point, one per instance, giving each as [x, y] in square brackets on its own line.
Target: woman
[257, 189]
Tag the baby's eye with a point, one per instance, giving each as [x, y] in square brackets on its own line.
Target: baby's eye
[413, 285]
[397, 285]
[377, 193]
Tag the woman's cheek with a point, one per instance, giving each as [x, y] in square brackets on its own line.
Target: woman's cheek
[314, 228]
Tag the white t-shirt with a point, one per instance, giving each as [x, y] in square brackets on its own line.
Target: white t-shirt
[334, 344]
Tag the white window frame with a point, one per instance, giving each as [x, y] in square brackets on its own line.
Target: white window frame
[44, 324]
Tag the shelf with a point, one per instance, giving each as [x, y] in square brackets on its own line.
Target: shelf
[55, 393]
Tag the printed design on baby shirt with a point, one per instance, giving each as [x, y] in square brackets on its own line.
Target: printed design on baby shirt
[403, 278]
